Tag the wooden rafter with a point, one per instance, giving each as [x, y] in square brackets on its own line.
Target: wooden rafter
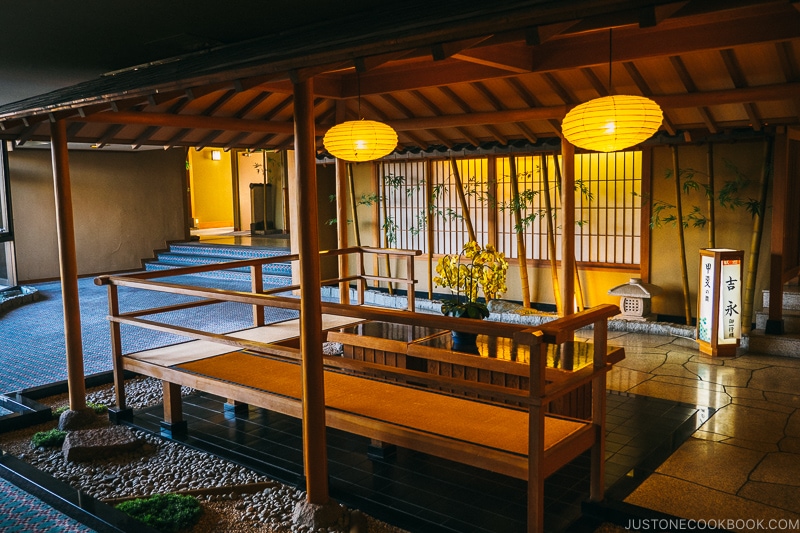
[689, 85]
[442, 51]
[495, 102]
[644, 87]
[406, 112]
[514, 57]
[739, 81]
[466, 108]
[789, 66]
[531, 101]
[436, 110]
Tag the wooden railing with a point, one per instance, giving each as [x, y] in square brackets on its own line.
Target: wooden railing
[534, 465]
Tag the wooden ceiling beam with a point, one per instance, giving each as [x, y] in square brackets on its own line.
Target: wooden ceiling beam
[406, 112]
[189, 121]
[414, 139]
[650, 16]
[367, 63]
[543, 33]
[788, 63]
[513, 57]
[672, 37]
[441, 51]
[109, 135]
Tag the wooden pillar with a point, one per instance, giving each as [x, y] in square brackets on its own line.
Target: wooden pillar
[68, 266]
[780, 197]
[568, 227]
[341, 213]
[315, 460]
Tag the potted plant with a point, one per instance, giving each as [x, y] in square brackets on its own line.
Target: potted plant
[472, 270]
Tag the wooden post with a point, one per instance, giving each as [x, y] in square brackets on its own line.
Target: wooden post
[116, 348]
[598, 461]
[257, 286]
[68, 266]
[429, 234]
[568, 227]
[536, 438]
[780, 198]
[315, 459]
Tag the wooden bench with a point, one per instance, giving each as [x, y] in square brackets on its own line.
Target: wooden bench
[375, 401]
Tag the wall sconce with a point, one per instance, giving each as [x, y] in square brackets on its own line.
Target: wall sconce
[216, 155]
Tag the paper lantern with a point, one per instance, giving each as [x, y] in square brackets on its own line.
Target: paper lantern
[612, 123]
[360, 140]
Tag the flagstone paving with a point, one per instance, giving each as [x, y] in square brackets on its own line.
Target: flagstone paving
[743, 464]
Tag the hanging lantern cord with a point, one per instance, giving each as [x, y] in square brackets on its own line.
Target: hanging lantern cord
[610, 86]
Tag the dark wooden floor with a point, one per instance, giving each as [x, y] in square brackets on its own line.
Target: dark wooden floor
[422, 493]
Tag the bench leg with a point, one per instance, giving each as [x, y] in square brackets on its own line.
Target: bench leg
[380, 450]
[235, 409]
[173, 426]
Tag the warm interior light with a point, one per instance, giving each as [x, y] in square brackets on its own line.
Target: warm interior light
[612, 123]
[216, 155]
[360, 140]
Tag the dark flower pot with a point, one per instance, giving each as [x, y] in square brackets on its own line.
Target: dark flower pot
[464, 342]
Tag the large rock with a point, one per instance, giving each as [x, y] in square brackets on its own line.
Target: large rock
[80, 419]
[314, 516]
[89, 444]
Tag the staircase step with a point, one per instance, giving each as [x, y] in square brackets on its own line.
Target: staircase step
[791, 320]
[188, 254]
[787, 345]
[791, 297]
[231, 252]
[183, 259]
[269, 280]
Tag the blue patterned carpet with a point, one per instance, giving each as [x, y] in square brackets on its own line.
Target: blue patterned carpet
[32, 348]
[23, 513]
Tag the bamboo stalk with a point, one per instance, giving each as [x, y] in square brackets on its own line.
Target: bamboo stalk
[521, 254]
[462, 199]
[551, 238]
[382, 200]
[755, 242]
[353, 204]
[679, 208]
[711, 227]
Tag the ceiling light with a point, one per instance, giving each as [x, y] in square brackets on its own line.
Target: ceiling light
[612, 123]
[360, 140]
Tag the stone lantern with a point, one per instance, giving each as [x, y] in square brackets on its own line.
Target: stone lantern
[635, 299]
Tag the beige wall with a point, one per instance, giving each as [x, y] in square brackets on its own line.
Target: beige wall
[126, 204]
[211, 186]
[734, 226]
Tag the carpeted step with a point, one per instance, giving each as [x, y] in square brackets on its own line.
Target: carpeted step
[188, 254]
[183, 259]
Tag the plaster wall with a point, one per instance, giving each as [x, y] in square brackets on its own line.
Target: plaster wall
[125, 205]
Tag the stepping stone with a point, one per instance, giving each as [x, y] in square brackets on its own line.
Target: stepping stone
[90, 444]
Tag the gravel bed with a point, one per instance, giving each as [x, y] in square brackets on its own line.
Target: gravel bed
[162, 466]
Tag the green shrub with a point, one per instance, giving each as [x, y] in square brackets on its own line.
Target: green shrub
[166, 512]
[98, 408]
[48, 439]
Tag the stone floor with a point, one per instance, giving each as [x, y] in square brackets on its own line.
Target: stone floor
[743, 465]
